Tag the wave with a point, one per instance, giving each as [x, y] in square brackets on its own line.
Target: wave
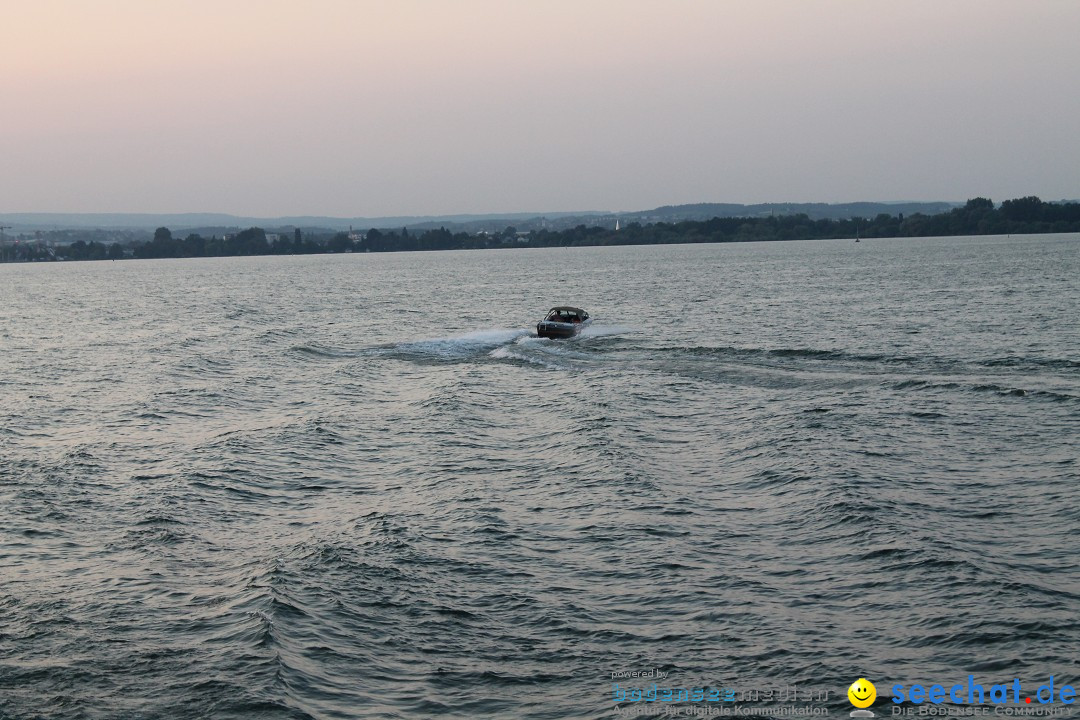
[976, 387]
[796, 353]
[494, 343]
[1012, 361]
[506, 353]
[600, 331]
[810, 353]
[897, 372]
[316, 350]
[455, 348]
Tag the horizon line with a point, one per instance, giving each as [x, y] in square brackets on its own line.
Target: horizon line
[493, 214]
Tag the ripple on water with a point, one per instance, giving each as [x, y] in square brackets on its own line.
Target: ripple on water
[298, 499]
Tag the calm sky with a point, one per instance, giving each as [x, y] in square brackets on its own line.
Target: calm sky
[366, 108]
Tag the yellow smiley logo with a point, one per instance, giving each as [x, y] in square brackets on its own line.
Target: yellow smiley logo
[862, 693]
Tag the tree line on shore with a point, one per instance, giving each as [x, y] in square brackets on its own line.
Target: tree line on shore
[979, 216]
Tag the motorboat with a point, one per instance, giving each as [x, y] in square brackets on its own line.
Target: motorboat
[562, 322]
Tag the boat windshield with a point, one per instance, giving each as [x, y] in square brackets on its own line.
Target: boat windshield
[566, 316]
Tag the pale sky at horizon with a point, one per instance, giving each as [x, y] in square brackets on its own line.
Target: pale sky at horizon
[420, 107]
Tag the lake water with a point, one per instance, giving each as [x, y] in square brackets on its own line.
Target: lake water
[358, 486]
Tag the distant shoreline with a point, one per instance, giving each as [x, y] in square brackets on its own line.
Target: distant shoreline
[978, 216]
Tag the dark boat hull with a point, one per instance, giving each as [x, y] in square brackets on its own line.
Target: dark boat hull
[558, 330]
